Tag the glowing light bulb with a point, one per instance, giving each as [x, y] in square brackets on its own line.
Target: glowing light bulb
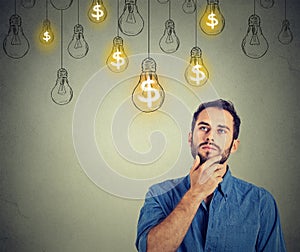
[266, 3]
[117, 61]
[97, 12]
[169, 42]
[46, 35]
[285, 36]
[189, 6]
[28, 3]
[15, 43]
[148, 95]
[78, 47]
[131, 22]
[254, 44]
[196, 73]
[62, 93]
[212, 21]
[61, 4]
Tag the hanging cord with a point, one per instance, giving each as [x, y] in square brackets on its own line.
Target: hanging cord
[78, 11]
[254, 6]
[16, 7]
[196, 15]
[169, 9]
[284, 9]
[46, 9]
[148, 39]
[118, 32]
[61, 38]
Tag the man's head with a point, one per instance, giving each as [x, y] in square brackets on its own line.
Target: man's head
[215, 130]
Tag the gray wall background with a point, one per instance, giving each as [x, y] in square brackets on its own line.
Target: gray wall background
[47, 203]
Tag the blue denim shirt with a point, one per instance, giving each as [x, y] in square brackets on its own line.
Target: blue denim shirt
[241, 217]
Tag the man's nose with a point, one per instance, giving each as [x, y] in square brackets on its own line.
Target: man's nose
[210, 136]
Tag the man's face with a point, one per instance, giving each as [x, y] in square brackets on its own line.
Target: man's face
[213, 135]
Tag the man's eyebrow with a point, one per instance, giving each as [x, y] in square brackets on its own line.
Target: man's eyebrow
[224, 127]
[205, 123]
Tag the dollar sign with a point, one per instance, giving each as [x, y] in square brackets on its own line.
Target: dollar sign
[213, 20]
[146, 86]
[99, 12]
[199, 74]
[120, 60]
[46, 36]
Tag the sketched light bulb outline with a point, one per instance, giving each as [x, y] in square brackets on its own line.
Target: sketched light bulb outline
[267, 3]
[189, 6]
[61, 4]
[62, 92]
[169, 42]
[28, 3]
[78, 47]
[285, 35]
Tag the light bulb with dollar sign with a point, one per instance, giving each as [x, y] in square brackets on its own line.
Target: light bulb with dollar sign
[117, 61]
[212, 21]
[196, 73]
[46, 35]
[148, 95]
[97, 12]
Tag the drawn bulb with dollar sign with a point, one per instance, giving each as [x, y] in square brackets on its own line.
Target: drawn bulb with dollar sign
[117, 61]
[62, 93]
[131, 22]
[28, 3]
[254, 44]
[169, 42]
[148, 95]
[196, 73]
[78, 47]
[189, 6]
[97, 12]
[15, 43]
[212, 21]
[285, 36]
[46, 35]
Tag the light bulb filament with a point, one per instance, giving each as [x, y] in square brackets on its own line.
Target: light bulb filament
[62, 89]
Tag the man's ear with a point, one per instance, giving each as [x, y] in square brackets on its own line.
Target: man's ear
[190, 138]
[235, 145]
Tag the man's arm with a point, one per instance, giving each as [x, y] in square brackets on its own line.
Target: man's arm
[168, 235]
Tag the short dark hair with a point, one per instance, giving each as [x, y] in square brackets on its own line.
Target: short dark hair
[221, 104]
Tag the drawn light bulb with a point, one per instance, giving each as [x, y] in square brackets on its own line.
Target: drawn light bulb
[46, 35]
[189, 6]
[61, 4]
[28, 3]
[285, 36]
[78, 47]
[15, 43]
[162, 1]
[169, 42]
[117, 61]
[266, 3]
[97, 12]
[212, 21]
[196, 73]
[131, 22]
[254, 44]
[62, 93]
[148, 95]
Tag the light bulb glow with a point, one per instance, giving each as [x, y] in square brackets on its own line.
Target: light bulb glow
[28, 3]
[169, 42]
[254, 44]
[189, 6]
[62, 92]
[78, 47]
[196, 73]
[117, 61]
[148, 95]
[212, 21]
[97, 12]
[61, 4]
[285, 36]
[46, 36]
[266, 3]
[131, 22]
[15, 44]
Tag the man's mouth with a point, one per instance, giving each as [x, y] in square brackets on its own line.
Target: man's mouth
[209, 147]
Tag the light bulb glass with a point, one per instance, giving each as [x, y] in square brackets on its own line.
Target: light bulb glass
[162, 1]
[285, 36]
[212, 21]
[78, 47]
[97, 12]
[28, 3]
[266, 3]
[117, 61]
[169, 42]
[189, 6]
[61, 4]
[254, 44]
[15, 44]
[62, 92]
[131, 22]
[148, 95]
[46, 35]
[196, 73]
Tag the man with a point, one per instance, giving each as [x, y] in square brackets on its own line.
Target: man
[210, 210]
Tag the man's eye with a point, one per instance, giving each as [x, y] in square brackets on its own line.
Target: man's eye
[222, 131]
[203, 128]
